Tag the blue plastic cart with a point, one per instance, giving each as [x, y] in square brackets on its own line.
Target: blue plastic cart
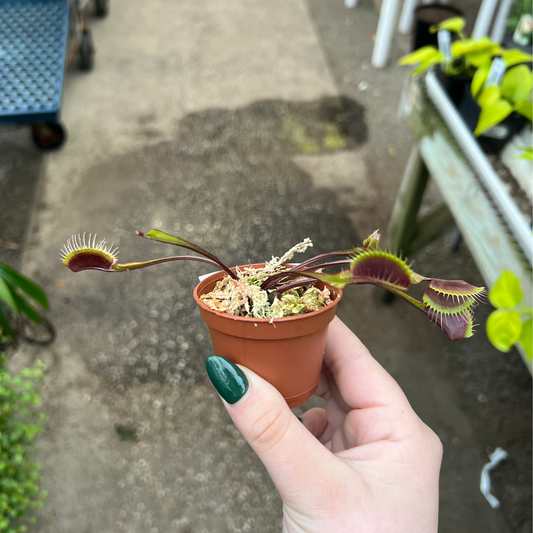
[38, 39]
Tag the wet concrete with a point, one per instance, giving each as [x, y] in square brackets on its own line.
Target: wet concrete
[245, 153]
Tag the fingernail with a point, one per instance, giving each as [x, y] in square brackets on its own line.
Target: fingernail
[228, 379]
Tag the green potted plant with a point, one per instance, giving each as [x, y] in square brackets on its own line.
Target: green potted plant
[507, 105]
[273, 316]
[455, 67]
[511, 322]
[464, 70]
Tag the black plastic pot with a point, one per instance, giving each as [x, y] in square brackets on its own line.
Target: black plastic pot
[455, 86]
[428, 15]
[494, 139]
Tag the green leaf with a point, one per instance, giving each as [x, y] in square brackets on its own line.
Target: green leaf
[27, 309]
[492, 114]
[426, 65]
[504, 329]
[479, 59]
[489, 95]
[5, 327]
[506, 292]
[515, 57]
[455, 24]
[479, 79]
[517, 83]
[25, 284]
[468, 46]
[422, 54]
[161, 236]
[526, 338]
[7, 297]
[526, 109]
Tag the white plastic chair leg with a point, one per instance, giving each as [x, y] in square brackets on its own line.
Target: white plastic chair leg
[384, 33]
[498, 29]
[484, 18]
[407, 17]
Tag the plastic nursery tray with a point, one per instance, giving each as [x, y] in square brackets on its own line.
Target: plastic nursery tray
[33, 42]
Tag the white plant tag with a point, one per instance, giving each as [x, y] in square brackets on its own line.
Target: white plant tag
[201, 278]
[496, 72]
[445, 44]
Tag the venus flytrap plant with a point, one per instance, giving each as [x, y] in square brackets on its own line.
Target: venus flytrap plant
[80, 254]
[449, 304]
[278, 290]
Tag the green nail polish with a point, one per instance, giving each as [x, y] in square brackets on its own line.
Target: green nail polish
[228, 379]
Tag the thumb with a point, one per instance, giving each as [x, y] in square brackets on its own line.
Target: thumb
[294, 459]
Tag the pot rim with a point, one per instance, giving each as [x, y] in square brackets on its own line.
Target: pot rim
[441, 7]
[260, 320]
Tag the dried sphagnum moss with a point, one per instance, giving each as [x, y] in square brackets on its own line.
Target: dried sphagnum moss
[244, 297]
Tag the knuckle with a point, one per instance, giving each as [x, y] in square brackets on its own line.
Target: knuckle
[269, 429]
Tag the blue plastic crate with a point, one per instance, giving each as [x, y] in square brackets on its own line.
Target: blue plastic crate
[33, 44]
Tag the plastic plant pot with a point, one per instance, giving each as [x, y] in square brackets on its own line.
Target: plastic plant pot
[288, 352]
[454, 86]
[428, 15]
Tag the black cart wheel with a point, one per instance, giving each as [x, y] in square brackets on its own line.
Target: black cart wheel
[102, 7]
[87, 50]
[48, 135]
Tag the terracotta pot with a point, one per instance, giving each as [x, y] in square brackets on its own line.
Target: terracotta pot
[287, 353]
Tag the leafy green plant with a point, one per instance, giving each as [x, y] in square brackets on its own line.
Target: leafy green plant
[13, 287]
[511, 322]
[474, 58]
[498, 101]
[449, 304]
[20, 423]
[467, 55]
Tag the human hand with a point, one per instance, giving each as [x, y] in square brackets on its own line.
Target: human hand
[365, 463]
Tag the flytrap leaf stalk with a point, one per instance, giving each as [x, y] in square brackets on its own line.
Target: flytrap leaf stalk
[449, 304]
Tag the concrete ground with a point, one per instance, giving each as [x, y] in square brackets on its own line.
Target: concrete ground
[192, 122]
